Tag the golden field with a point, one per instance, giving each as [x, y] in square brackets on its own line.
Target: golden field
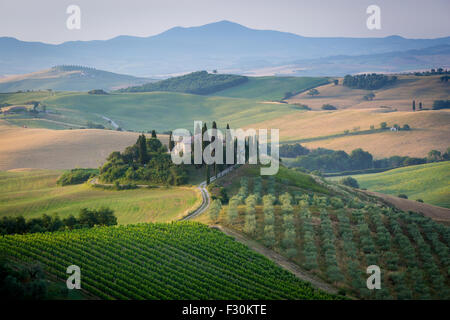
[397, 96]
[59, 149]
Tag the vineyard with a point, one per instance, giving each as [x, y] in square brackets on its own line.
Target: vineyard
[183, 260]
[337, 237]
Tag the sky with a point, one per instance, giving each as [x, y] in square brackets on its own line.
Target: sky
[45, 20]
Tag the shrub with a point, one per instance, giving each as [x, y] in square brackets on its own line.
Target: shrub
[349, 181]
[76, 176]
[328, 107]
[403, 196]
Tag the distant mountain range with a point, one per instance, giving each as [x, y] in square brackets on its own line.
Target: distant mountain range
[221, 45]
[390, 62]
[69, 78]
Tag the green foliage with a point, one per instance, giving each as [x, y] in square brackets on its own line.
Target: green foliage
[272, 88]
[349, 181]
[92, 125]
[250, 219]
[334, 161]
[214, 209]
[369, 96]
[76, 176]
[200, 82]
[328, 107]
[145, 162]
[97, 91]
[292, 150]
[18, 282]
[87, 219]
[232, 212]
[441, 104]
[368, 81]
[309, 246]
[313, 92]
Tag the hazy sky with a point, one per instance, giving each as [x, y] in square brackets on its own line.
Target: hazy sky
[45, 20]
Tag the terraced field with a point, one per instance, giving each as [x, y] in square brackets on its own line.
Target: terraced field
[182, 260]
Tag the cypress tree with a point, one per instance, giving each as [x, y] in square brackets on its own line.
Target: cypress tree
[153, 134]
[204, 142]
[142, 149]
[208, 175]
[214, 126]
[171, 142]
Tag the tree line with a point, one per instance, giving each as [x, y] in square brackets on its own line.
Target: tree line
[326, 160]
[146, 161]
[87, 218]
[371, 81]
[200, 82]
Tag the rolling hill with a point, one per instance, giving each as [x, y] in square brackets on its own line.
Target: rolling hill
[398, 96]
[200, 82]
[150, 110]
[220, 45]
[271, 88]
[59, 149]
[428, 182]
[69, 78]
[334, 232]
[326, 129]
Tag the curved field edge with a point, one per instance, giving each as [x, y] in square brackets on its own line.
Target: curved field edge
[183, 260]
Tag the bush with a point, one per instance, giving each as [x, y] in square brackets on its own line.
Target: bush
[76, 176]
[328, 107]
[350, 182]
[403, 196]
[441, 104]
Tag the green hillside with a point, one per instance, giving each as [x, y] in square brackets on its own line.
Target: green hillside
[160, 110]
[183, 260]
[271, 88]
[142, 111]
[336, 233]
[33, 193]
[200, 82]
[428, 182]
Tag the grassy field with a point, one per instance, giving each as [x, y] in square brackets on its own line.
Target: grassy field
[429, 182]
[271, 88]
[163, 111]
[32, 193]
[153, 110]
[183, 260]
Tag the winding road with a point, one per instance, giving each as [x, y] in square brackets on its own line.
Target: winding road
[206, 198]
